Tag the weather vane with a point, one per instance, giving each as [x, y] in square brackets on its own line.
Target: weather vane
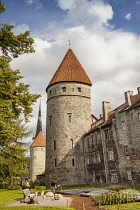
[69, 43]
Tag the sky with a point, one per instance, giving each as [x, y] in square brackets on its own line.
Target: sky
[105, 37]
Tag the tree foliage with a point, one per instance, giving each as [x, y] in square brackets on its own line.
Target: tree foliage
[15, 102]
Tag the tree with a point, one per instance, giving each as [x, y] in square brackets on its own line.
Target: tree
[15, 102]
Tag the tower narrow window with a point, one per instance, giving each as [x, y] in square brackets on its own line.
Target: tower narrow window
[54, 145]
[69, 117]
[71, 143]
[64, 89]
[79, 89]
[73, 162]
[50, 120]
[123, 125]
[55, 162]
[50, 92]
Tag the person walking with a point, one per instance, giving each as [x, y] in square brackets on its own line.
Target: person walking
[53, 186]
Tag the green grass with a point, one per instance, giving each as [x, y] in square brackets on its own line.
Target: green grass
[126, 206]
[35, 208]
[9, 196]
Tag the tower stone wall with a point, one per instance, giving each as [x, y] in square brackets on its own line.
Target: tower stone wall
[37, 165]
[68, 117]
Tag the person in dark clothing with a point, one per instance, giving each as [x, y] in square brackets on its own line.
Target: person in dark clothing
[53, 186]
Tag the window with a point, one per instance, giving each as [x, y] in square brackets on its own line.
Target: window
[54, 145]
[96, 139]
[79, 89]
[93, 176]
[72, 89]
[94, 158]
[69, 117]
[64, 89]
[50, 92]
[114, 177]
[88, 141]
[129, 174]
[126, 150]
[139, 116]
[106, 131]
[72, 162]
[110, 154]
[87, 160]
[55, 162]
[71, 143]
[50, 120]
[92, 140]
[98, 157]
[123, 126]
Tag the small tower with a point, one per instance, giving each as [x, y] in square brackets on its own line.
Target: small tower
[38, 151]
[68, 117]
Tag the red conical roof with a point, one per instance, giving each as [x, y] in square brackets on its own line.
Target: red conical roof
[70, 70]
[39, 141]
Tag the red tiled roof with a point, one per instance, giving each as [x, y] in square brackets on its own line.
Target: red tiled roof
[39, 141]
[70, 70]
[135, 102]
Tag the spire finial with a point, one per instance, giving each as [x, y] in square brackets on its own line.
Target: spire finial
[69, 43]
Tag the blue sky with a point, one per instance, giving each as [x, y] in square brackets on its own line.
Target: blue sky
[105, 36]
[39, 13]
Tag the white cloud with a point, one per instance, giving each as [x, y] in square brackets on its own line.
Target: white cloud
[82, 12]
[128, 16]
[35, 3]
[21, 28]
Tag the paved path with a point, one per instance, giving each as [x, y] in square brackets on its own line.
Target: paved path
[84, 192]
[48, 201]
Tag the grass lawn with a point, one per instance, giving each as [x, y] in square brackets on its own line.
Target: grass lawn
[10, 196]
[125, 206]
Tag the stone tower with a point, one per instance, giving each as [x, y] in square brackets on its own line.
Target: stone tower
[37, 151]
[68, 117]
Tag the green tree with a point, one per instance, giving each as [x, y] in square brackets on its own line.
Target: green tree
[15, 102]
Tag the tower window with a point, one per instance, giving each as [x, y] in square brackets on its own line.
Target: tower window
[69, 117]
[79, 89]
[50, 120]
[71, 143]
[50, 92]
[64, 89]
[73, 162]
[55, 162]
[54, 145]
[123, 125]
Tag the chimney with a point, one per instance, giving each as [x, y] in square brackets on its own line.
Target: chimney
[138, 88]
[128, 95]
[106, 109]
[100, 116]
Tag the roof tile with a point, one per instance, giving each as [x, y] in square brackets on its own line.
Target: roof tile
[70, 70]
[39, 141]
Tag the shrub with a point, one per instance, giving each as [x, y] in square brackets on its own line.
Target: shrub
[14, 187]
[115, 198]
